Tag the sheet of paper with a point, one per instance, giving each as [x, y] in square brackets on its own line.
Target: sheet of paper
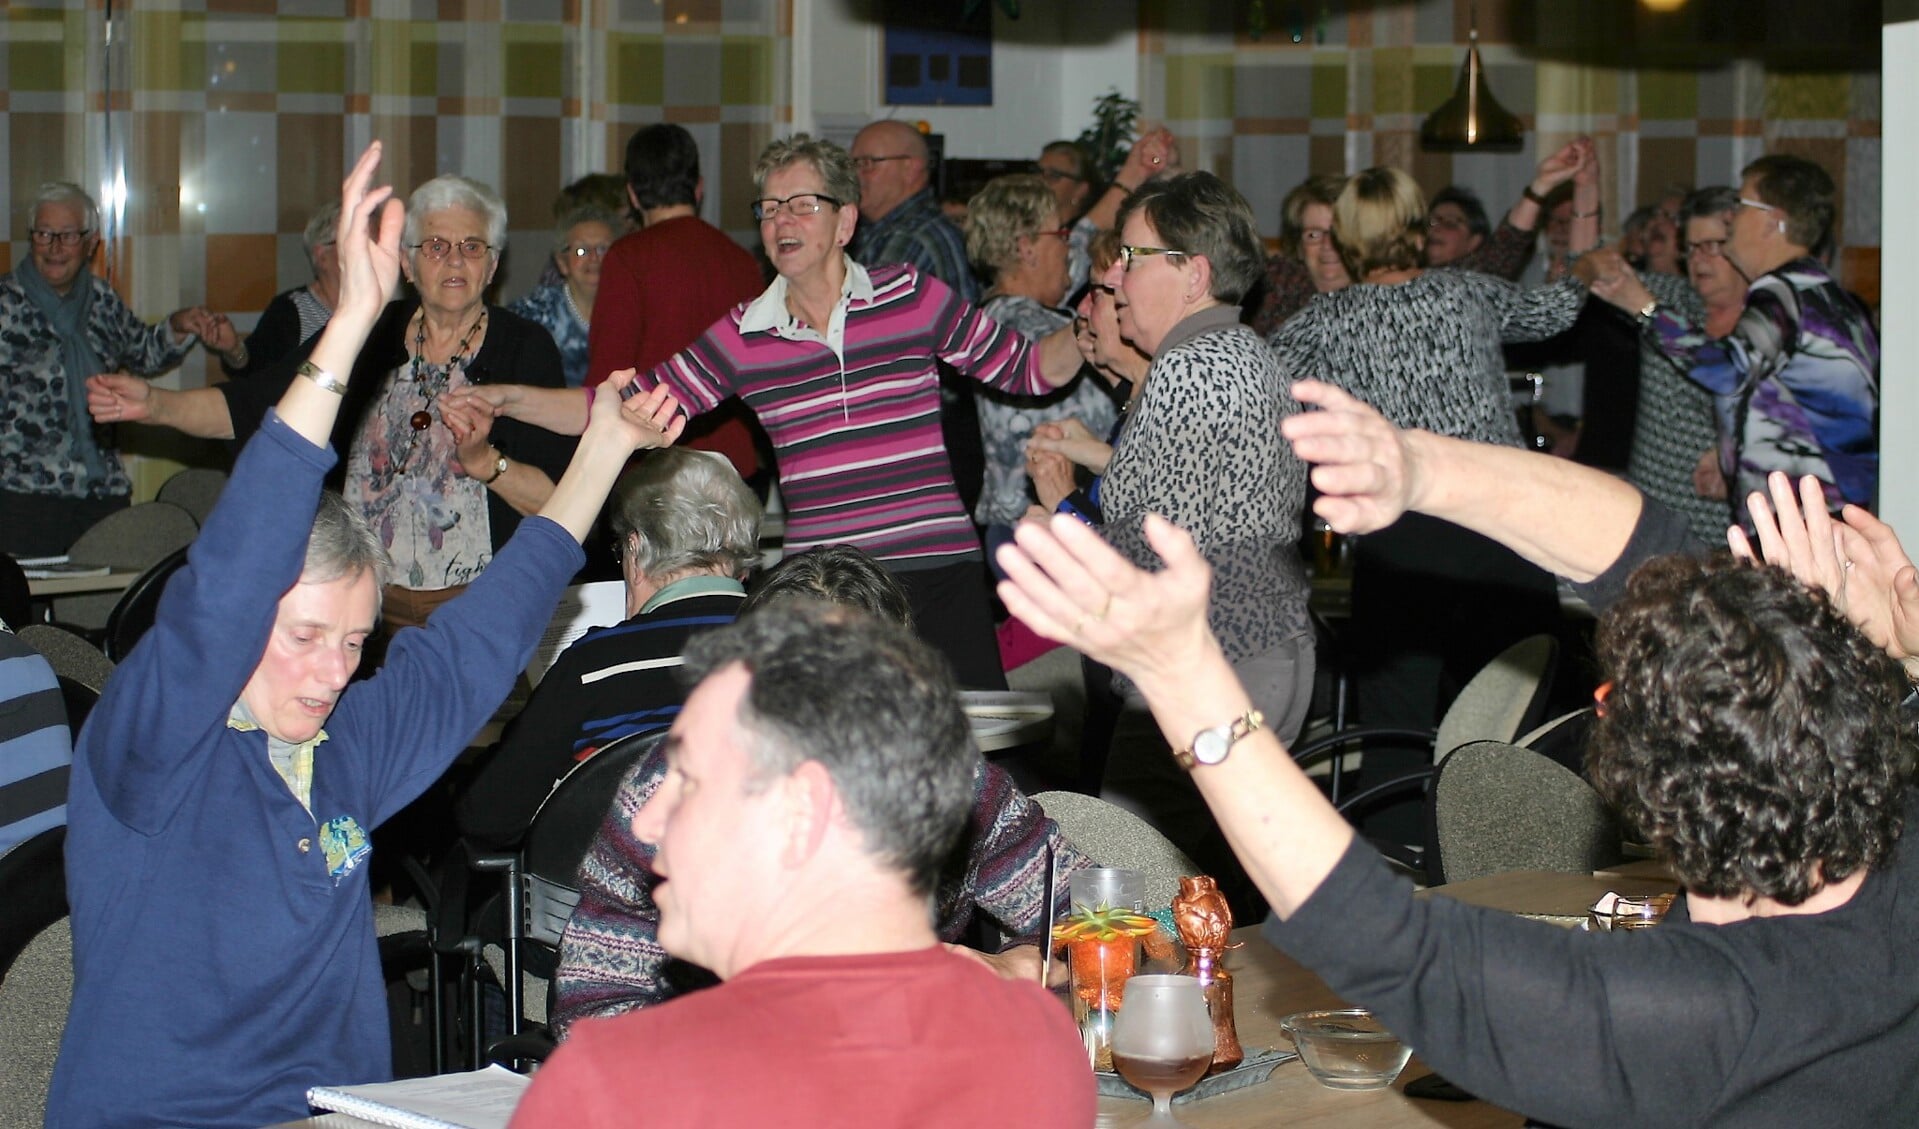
[477, 1099]
[582, 607]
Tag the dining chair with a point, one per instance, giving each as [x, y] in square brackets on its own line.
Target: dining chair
[194, 490]
[1112, 836]
[519, 940]
[132, 614]
[33, 1016]
[1498, 807]
[16, 594]
[129, 540]
[69, 655]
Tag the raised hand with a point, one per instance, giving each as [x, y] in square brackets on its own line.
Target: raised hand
[368, 238]
[1068, 584]
[1562, 165]
[1609, 276]
[1365, 472]
[1796, 534]
[118, 397]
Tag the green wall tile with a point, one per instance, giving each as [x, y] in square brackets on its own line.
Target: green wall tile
[312, 56]
[1393, 91]
[636, 66]
[1199, 86]
[1669, 95]
[535, 61]
[1329, 88]
[746, 71]
[165, 55]
[1804, 95]
[37, 42]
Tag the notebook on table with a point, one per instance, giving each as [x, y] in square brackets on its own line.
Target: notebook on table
[477, 1099]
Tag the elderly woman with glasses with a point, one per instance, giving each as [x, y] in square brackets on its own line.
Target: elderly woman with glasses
[838, 363]
[565, 307]
[59, 325]
[1016, 236]
[439, 480]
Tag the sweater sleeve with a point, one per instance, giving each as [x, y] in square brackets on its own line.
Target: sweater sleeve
[1659, 531]
[1006, 839]
[1504, 254]
[275, 335]
[132, 344]
[610, 955]
[964, 337]
[440, 683]
[208, 632]
[1553, 1023]
[1541, 312]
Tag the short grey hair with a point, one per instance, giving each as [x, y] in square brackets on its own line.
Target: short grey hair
[585, 213]
[452, 191]
[1008, 209]
[1197, 213]
[342, 544]
[683, 509]
[63, 192]
[322, 226]
[835, 167]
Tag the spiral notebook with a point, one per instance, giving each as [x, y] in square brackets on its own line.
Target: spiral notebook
[477, 1099]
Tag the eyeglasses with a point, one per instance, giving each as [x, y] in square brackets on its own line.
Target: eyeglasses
[596, 250]
[1054, 175]
[1449, 223]
[437, 248]
[865, 164]
[65, 238]
[1706, 249]
[1128, 253]
[1064, 234]
[1760, 204]
[1314, 236]
[798, 204]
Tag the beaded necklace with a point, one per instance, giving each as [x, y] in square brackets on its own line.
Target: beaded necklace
[434, 383]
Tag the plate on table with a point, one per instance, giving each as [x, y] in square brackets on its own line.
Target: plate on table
[1251, 1071]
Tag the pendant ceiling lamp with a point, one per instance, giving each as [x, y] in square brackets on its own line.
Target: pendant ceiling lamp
[1472, 118]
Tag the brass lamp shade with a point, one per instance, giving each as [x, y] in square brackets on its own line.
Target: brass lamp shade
[1472, 118]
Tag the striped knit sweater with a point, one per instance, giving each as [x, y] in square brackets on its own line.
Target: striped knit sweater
[854, 412]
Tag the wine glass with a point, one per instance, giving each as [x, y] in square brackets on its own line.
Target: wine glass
[1163, 1038]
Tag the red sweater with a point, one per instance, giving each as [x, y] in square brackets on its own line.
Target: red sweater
[659, 288]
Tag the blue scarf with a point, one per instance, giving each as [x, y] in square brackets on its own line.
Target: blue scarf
[68, 317]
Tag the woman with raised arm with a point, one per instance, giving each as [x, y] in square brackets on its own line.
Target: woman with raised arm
[226, 787]
[1781, 989]
[838, 362]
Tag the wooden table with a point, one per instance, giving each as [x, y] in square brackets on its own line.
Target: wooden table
[1268, 986]
[1562, 898]
[48, 587]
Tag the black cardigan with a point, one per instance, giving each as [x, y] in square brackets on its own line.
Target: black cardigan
[516, 351]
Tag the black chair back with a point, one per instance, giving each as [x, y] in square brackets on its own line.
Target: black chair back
[16, 595]
[33, 887]
[566, 823]
[132, 616]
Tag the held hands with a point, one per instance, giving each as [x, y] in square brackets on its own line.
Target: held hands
[1366, 473]
[1860, 564]
[648, 420]
[1073, 440]
[470, 419]
[118, 397]
[1069, 585]
[1563, 165]
[1052, 477]
[1154, 154]
[1606, 272]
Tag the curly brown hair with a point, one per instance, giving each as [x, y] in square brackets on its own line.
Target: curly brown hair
[1751, 733]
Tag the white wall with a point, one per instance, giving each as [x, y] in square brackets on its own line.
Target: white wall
[1048, 66]
[1899, 290]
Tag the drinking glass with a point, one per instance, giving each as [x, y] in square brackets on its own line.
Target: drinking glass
[1163, 1039]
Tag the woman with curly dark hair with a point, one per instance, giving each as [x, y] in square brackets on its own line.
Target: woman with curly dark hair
[1751, 730]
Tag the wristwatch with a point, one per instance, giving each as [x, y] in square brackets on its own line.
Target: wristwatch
[1210, 746]
[499, 468]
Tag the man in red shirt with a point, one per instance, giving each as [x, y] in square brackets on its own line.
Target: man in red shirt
[665, 283]
[818, 780]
